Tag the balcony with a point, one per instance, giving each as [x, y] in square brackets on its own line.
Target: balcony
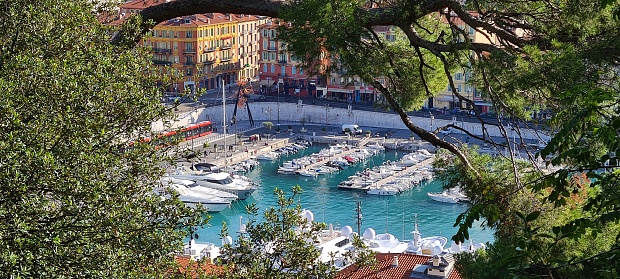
[282, 61]
[162, 50]
[189, 63]
[162, 62]
[209, 49]
[272, 49]
[227, 58]
[207, 62]
[189, 51]
[226, 46]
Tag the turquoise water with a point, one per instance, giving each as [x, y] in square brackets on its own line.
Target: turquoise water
[395, 214]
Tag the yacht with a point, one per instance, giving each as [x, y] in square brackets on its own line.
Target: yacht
[191, 198]
[454, 195]
[197, 188]
[222, 181]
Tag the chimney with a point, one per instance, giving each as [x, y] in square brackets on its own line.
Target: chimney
[395, 262]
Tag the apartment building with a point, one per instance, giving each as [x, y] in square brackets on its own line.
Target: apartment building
[248, 47]
[463, 80]
[279, 70]
[208, 49]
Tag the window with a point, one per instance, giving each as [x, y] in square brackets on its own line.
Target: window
[265, 68]
[265, 55]
[265, 34]
[189, 71]
[283, 70]
[265, 44]
[273, 33]
[293, 70]
[189, 47]
[188, 34]
[458, 76]
[460, 88]
[301, 71]
[273, 68]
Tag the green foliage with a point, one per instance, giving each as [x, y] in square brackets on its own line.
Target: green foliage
[331, 32]
[268, 125]
[73, 205]
[282, 246]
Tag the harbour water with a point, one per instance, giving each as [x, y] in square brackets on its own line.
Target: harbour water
[394, 214]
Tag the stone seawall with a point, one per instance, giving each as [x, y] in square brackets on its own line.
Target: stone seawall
[289, 112]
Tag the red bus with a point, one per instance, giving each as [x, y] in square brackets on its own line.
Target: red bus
[186, 133]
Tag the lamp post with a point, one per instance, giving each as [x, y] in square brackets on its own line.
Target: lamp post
[224, 120]
[278, 101]
[432, 118]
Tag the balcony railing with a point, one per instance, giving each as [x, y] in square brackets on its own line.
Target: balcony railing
[227, 58]
[272, 48]
[208, 61]
[189, 50]
[282, 61]
[210, 49]
[189, 63]
[226, 46]
[162, 62]
[162, 50]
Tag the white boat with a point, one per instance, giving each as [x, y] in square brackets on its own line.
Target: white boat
[383, 191]
[428, 246]
[454, 195]
[197, 188]
[270, 156]
[222, 181]
[192, 198]
[308, 173]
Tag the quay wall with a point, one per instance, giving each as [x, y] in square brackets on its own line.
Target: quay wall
[334, 116]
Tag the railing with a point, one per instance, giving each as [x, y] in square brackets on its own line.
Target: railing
[231, 134]
[162, 50]
[189, 51]
[210, 49]
[226, 46]
[189, 63]
[226, 58]
[282, 61]
[272, 48]
[162, 62]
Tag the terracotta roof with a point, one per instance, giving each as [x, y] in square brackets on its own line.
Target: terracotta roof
[141, 4]
[191, 269]
[384, 268]
[198, 20]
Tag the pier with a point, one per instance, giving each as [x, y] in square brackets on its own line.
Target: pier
[407, 170]
[321, 162]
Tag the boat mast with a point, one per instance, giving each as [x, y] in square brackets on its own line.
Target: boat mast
[359, 217]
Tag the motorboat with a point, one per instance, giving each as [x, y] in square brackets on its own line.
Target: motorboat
[192, 198]
[270, 156]
[308, 173]
[428, 246]
[383, 191]
[197, 188]
[454, 195]
[222, 181]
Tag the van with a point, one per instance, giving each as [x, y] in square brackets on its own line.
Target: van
[355, 129]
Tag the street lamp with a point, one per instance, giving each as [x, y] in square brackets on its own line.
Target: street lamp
[279, 80]
[432, 118]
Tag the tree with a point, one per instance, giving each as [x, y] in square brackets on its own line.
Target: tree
[76, 202]
[283, 245]
[558, 58]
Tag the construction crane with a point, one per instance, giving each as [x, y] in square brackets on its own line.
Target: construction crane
[242, 95]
